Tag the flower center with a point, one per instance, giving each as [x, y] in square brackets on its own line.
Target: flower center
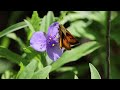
[51, 42]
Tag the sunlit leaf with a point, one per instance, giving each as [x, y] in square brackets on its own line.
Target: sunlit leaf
[43, 24]
[30, 54]
[78, 29]
[75, 54]
[21, 69]
[31, 29]
[30, 26]
[28, 71]
[75, 77]
[5, 41]
[50, 19]
[35, 21]
[47, 21]
[42, 73]
[7, 75]
[13, 28]
[70, 17]
[94, 72]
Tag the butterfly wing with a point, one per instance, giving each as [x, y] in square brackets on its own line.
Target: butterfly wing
[72, 40]
[66, 38]
[66, 44]
[63, 42]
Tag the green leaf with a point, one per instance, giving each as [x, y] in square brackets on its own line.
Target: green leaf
[78, 28]
[7, 75]
[31, 30]
[50, 18]
[62, 14]
[75, 54]
[42, 73]
[98, 16]
[5, 42]
[6, 53]
[35, 21]
[30, 54]
[33, 24]
[75, 77]
[47, 21]
[30, 26]
[90, 15]
[13, 28]
[28, 71]
[94, 73]
[5, 65]
[21, 69]
[70, 17]
[115, 32]
[43, 24]
[43, 58]
[16, 38]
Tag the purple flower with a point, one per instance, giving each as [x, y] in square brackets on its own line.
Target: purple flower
[48, 42]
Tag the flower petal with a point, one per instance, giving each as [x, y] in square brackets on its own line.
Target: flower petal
[55, 52]
[53, 30]
[38, 41]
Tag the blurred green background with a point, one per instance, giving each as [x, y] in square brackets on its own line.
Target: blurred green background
[84, 25]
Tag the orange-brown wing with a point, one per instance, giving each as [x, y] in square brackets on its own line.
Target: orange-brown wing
[71, 39]
[66, 44]
[66, 38]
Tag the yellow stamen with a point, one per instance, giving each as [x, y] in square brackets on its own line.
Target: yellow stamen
[53, 44]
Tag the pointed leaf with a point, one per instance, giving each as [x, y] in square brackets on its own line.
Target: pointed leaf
[31, 29]
[42, 73]
[30, 26]
[78, 28]
[35, 21]
[43, 24]
[47, 21]
[50, 19]
[13, 28]
[6, 53]
[75, 77]
[28, 71]
[94, 73]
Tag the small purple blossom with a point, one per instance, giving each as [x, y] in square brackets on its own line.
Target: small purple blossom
[47, 42]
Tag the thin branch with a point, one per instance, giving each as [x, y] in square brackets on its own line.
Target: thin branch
[108, 43]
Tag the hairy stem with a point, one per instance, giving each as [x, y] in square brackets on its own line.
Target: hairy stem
[108, 43]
